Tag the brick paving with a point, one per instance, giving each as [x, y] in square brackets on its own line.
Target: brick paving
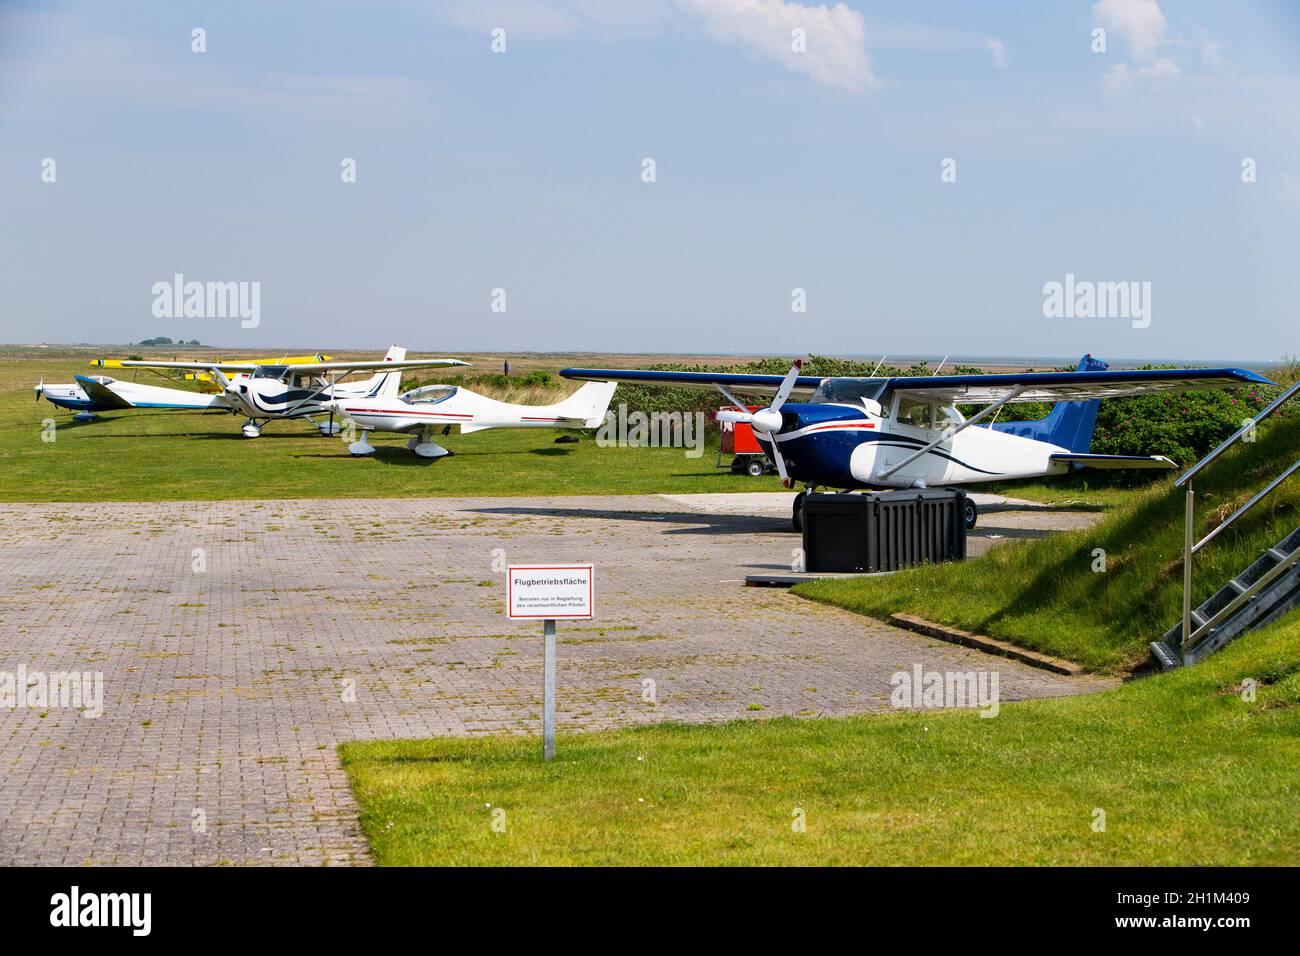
[227, 686]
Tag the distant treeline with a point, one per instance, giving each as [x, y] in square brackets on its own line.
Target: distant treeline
[163, 340]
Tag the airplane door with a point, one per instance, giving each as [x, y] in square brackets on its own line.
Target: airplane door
[911, 427]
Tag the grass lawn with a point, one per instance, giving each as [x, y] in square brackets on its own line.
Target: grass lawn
[1185, 770]
[1046, 594]
[162, 455]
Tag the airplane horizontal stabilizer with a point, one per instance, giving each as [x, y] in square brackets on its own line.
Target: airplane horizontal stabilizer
[1115, 461]
[101, 395]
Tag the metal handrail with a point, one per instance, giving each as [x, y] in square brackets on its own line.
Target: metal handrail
[1187, 637]
[1247, 506]
[1236, 436]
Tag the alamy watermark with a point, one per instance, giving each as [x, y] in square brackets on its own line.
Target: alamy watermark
[656, 430]
[180, 299]
[37, 690]
[923, 689]
[1084, 299]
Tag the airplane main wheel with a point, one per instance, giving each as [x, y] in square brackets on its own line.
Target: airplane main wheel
[797, 518]
[755, 468]
[970, 514]
[251, 431]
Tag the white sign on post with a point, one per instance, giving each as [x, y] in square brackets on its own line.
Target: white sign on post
[550, 592]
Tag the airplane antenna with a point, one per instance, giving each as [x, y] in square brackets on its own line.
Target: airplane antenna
[942, 364]
[877, 368]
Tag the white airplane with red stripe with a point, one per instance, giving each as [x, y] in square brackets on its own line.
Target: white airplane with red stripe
[423, 410]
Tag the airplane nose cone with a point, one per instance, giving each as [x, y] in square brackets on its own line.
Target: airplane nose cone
[766, 420]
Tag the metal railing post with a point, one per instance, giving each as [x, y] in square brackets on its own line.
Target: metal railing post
[1188, 547]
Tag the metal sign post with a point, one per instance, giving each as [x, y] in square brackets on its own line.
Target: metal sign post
[550, 592]
[548, 691]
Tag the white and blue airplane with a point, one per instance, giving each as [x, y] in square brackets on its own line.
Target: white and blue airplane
[100, 393]
[891, 433]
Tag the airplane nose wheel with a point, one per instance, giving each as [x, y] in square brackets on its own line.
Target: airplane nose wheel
[970, 514]
[797, 518]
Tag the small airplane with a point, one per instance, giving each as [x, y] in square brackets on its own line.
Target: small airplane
[100, 393]
[440, 406]
[299, 389]
[207, 376]
[889, 433]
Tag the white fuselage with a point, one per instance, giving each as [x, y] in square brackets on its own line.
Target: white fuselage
[878, 445]
[442, 405]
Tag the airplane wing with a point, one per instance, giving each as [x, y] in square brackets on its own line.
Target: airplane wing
[148, 396]
[1069, 386]
[972, 389]
[371, 366]
[196, 366]
[236, 366]
[101, 394]
[341, 367]
[752, 384]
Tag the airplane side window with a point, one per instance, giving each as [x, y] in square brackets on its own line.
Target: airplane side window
[916, 414]
[945, 416]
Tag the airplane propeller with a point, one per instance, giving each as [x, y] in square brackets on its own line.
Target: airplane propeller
[767, 421]
[39, 390]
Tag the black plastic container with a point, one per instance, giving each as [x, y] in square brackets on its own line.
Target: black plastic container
[883, 531]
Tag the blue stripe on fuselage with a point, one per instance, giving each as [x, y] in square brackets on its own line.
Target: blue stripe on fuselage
[821, 458]
[824, 457]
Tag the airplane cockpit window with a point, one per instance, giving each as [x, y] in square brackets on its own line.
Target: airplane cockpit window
[102, 379]
[912, 412]
[945, 416]
[847, 391]
[269, 371]
[430, 394]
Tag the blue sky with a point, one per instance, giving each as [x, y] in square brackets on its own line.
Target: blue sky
[775, 170]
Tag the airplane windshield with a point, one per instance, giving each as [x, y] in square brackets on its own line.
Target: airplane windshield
[847, 391]
[430, 394]
[269, 371]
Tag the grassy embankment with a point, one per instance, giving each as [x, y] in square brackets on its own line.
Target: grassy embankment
[1046, 594]
[1186, 771]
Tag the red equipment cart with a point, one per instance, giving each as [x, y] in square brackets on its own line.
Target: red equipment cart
[738, 441]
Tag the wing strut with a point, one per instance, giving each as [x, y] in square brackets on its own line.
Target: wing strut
[949, 433]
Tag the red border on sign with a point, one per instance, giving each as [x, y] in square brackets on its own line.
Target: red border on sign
[591, 591]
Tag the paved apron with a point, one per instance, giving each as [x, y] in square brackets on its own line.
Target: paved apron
[226, 689]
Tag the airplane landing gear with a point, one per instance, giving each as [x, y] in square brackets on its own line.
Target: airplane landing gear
[252, 429]
[423, 446]
[361, 446]
[328, 429]
[970, 514]
[797, 519]
[430, 449]
[85, 417]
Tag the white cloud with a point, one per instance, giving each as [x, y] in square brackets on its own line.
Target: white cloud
[1121, 79]
[999, 51]
[1140, 23]
[834, 55]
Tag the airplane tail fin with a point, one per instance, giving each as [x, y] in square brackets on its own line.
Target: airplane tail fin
[588, 404]
[1069, 424]
[386, 384]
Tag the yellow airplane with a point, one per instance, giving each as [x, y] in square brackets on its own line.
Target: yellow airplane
[208, 377]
